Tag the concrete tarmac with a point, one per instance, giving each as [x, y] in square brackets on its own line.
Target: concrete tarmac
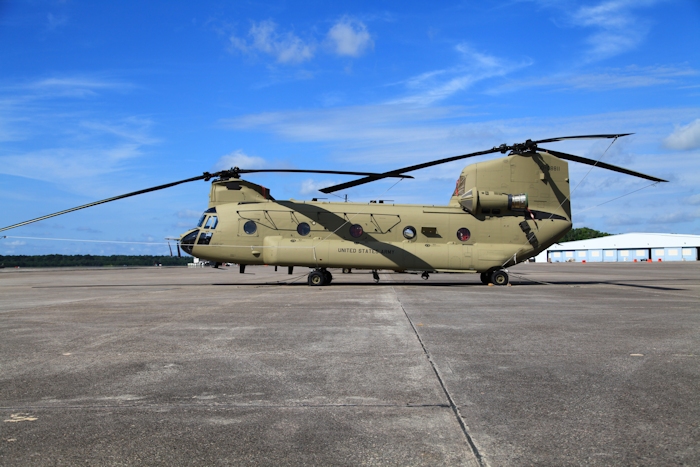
[575, 364]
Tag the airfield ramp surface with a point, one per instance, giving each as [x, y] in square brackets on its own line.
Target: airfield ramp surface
[575, 364]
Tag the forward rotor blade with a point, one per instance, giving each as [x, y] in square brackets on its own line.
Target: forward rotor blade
[127, 195]
[614, 168]
[398, 172]
[562, 138]
[334, 172]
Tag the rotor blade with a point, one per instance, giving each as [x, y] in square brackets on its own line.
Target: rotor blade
[614, 168]
[394, 173]
[339, 172]
[127, 195]
[562, 138]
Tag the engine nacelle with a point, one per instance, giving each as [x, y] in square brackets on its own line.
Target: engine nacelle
[477, 201]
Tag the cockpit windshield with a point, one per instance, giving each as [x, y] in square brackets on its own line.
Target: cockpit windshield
[204, 216]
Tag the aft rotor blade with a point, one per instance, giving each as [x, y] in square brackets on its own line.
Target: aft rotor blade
[398, 172]
[114, 198]
[614, 168]
[562, 138]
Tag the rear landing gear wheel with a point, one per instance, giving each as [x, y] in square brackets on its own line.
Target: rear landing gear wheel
[327, 277]
[425, 275]
[316, 278]
[499, 277]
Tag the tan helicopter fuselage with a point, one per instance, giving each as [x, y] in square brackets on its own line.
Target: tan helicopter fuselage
[502, 212]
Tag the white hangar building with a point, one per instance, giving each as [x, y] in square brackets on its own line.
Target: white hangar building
[625, 247]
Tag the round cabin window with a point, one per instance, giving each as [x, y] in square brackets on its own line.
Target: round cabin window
[250, 227]
[356, 230]
[463, 234]
[303, 229]
[409, 232]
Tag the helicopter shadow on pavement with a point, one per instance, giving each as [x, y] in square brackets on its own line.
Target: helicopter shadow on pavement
[515, 282]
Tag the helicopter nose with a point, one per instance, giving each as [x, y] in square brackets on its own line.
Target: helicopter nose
[188, 239]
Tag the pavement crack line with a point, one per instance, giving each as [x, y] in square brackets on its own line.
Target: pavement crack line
[453, 406]
[211, 405]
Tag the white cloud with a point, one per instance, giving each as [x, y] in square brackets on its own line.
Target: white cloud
[72, 86]
[55, 21]
[61, 141]
[685, 137]
[618, 29]
[188, 214]
[264, 37]
[133, 129]
[349, 37]
[241, 160]
[311, 186]
[66, 165]
[473, 67]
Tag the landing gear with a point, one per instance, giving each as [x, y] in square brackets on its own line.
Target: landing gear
[347, 270]
[425, 275]
[376, 276]
[327, 276]
[320, 277]
[499, 277]
[316, 278]
[485, 277]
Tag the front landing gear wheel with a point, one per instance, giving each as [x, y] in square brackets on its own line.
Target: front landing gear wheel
[499, 277]
[485, 277]
[316, 278]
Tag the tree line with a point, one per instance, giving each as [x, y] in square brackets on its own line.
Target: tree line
[60, 261]
[582, 233]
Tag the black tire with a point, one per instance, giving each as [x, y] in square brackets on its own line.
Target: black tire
[327, 278]
[484, 276]
[316, 278]
[499, 277]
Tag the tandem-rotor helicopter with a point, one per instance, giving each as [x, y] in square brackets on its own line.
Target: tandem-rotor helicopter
[501, 212]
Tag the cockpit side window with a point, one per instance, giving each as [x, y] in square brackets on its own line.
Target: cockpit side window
[211, 222]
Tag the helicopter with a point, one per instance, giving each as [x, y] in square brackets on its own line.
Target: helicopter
[502, 212]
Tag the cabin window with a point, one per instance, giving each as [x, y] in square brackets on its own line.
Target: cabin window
[463, 234]
[250, 227]
[303, 229]
[409, 232]
[356, 230]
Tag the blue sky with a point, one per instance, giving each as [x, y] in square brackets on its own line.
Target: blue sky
[103, 98]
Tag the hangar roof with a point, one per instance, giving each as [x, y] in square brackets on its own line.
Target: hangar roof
[631, 240]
